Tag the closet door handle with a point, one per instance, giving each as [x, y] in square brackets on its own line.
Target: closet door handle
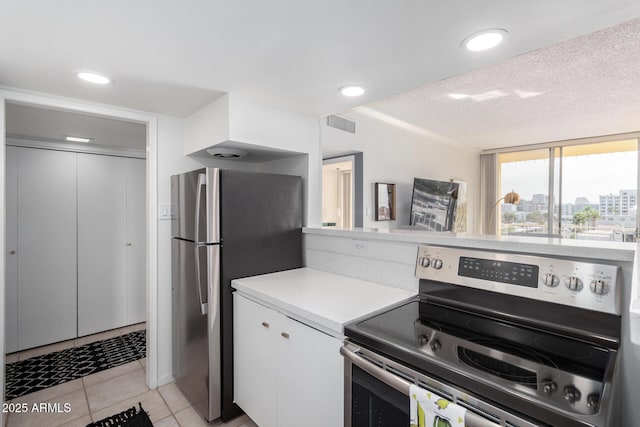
[285, 335]
[265, 324]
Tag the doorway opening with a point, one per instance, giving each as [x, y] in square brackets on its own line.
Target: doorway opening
[84, 279]
[342, 191]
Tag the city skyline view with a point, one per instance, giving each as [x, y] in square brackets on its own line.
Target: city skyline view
[583, 176]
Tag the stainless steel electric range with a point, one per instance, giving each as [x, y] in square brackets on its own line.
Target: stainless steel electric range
[518, 340]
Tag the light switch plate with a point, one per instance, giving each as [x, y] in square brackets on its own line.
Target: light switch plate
[167, 211]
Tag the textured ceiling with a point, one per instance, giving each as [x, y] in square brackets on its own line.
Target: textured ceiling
[172, 57]
[587, 86]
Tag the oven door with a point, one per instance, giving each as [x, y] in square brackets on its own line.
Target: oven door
[377, 394]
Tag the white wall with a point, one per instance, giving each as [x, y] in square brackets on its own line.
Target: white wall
[234, 118]
[207, 126]
[392, 154]
[171, 160]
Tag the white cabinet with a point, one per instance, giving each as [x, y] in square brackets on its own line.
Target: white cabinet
[11, 258]
[111, 242]
[255, 359]
[76, 245]
[136, 240]
[101, 243]
[286, 374]
[42, 247]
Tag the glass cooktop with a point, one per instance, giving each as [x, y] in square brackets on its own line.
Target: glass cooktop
[451, 343]
[406, 326]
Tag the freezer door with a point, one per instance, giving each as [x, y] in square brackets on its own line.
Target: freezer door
[195, 197]
[196, 332]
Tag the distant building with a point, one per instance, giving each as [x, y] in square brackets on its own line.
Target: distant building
[568, 209]
[615, 205]
[583, 202]
[539, 199]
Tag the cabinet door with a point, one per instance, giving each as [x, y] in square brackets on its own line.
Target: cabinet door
[255, 331]
[101, 243]
[46, 247]
[310, 378]
[11, 276]
[136, 240]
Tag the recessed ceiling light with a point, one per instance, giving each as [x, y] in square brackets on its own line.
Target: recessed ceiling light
[77, 139]
[486, 39]
[351, 90]
[93, 78]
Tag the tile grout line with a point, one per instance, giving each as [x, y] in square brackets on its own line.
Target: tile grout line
[173, 415]
[86, 398]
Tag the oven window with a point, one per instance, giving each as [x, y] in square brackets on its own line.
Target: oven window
[375, 404]
[498, 367]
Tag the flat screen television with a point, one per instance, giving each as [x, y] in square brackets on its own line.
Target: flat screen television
[433, 205]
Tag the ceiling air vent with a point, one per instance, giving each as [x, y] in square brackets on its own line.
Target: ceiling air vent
[342, 124]
[226, 153]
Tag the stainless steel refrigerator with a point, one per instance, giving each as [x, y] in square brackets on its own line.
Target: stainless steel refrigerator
[227, 225]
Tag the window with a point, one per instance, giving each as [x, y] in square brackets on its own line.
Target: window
[578, 190]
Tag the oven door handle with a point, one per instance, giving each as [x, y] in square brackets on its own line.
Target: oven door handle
[386, 377]
[471, 418]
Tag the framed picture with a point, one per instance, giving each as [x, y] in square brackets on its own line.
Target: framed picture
[433, 204]
[385, 201]
[460, 225]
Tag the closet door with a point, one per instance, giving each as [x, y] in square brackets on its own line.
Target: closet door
[47, 248]
[11, 275]
[136, 240]
[101, 243]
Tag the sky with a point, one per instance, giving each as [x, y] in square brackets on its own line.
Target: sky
[583, 176]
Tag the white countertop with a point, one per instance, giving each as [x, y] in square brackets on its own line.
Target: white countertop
[551, 246]
[322, 300]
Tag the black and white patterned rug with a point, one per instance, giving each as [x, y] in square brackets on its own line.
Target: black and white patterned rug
[37, 373]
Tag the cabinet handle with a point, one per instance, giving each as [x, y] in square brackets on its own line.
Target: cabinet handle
[285, 335]
[265, 324]
[129, 244]
[12, 253]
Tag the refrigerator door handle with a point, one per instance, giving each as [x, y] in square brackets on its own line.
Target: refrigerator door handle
[203, 304]
[202, 184]
[213, 284]
[213, 205]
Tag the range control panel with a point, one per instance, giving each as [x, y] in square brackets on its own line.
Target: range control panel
[578, 284]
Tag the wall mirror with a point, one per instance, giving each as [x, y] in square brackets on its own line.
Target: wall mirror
[385, 202]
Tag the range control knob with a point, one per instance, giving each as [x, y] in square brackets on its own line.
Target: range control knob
[551, 280]
[572, 394]
[423, 339]
[435, 345]
[549, 386]
[599, 287]
[574, 283]
[593, 401]
[437, 264]
[424, 261]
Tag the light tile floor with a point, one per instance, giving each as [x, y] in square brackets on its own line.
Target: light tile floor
[106, 393]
